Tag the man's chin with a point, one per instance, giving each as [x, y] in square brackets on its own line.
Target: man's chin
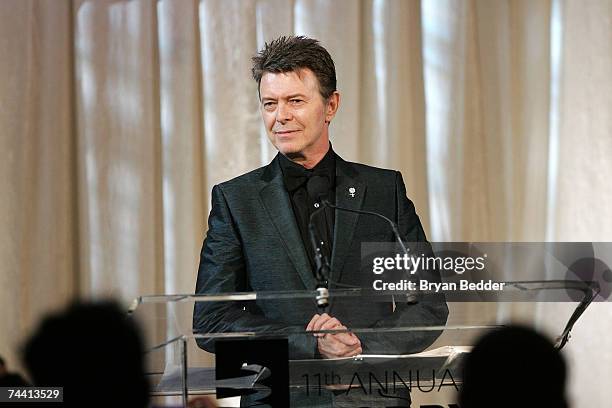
[292, 152]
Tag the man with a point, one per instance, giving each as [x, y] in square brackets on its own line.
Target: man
[258, 225]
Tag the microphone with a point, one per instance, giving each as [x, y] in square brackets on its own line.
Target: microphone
[411, 298]
[393, 225]
[318, 187]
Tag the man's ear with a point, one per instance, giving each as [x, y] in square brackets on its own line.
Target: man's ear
[333, 102]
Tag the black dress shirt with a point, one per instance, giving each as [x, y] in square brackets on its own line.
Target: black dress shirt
[299, 181]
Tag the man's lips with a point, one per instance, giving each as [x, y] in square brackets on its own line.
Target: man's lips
[285, 132]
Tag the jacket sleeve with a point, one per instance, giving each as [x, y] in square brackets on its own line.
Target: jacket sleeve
[427, 311]
[222, 269]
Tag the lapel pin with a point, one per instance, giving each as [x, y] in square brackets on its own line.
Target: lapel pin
[352, 191]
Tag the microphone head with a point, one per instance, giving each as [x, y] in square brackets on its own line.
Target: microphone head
[318, 187]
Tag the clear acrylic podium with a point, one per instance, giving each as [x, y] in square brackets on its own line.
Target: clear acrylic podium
[177, 366]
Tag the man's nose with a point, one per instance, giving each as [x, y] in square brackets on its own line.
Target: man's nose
[283, 113]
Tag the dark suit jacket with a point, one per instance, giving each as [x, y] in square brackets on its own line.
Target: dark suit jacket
[253, 244]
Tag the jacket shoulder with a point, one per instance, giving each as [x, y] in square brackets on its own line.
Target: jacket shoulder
[244, 181]
[377, 173]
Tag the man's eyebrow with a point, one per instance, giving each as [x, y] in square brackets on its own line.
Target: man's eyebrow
[297, 95]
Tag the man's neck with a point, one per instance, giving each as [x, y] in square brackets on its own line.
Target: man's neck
[311, 160]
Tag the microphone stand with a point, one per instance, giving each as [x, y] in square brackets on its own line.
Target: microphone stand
[322, 267]
[411, 298]
[322, 270]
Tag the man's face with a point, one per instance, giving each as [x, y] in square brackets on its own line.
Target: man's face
[295, 114]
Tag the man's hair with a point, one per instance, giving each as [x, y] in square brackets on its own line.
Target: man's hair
[292, 53]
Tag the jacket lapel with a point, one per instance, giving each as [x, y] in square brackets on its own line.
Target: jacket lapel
[278, 206]
[350, 193]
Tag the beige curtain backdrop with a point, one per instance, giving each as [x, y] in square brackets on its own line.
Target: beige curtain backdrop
[117, 117]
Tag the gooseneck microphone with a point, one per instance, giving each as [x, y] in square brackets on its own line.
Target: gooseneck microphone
[318, 188]
[410, 298]
[393, 225]
[321, 269]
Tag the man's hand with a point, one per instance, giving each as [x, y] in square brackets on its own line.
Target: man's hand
[337, 344]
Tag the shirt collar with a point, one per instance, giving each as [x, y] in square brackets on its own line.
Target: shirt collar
[326, 166]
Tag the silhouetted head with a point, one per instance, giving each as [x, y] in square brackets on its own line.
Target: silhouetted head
[513, 367]
[3, 369]
[94, 351]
